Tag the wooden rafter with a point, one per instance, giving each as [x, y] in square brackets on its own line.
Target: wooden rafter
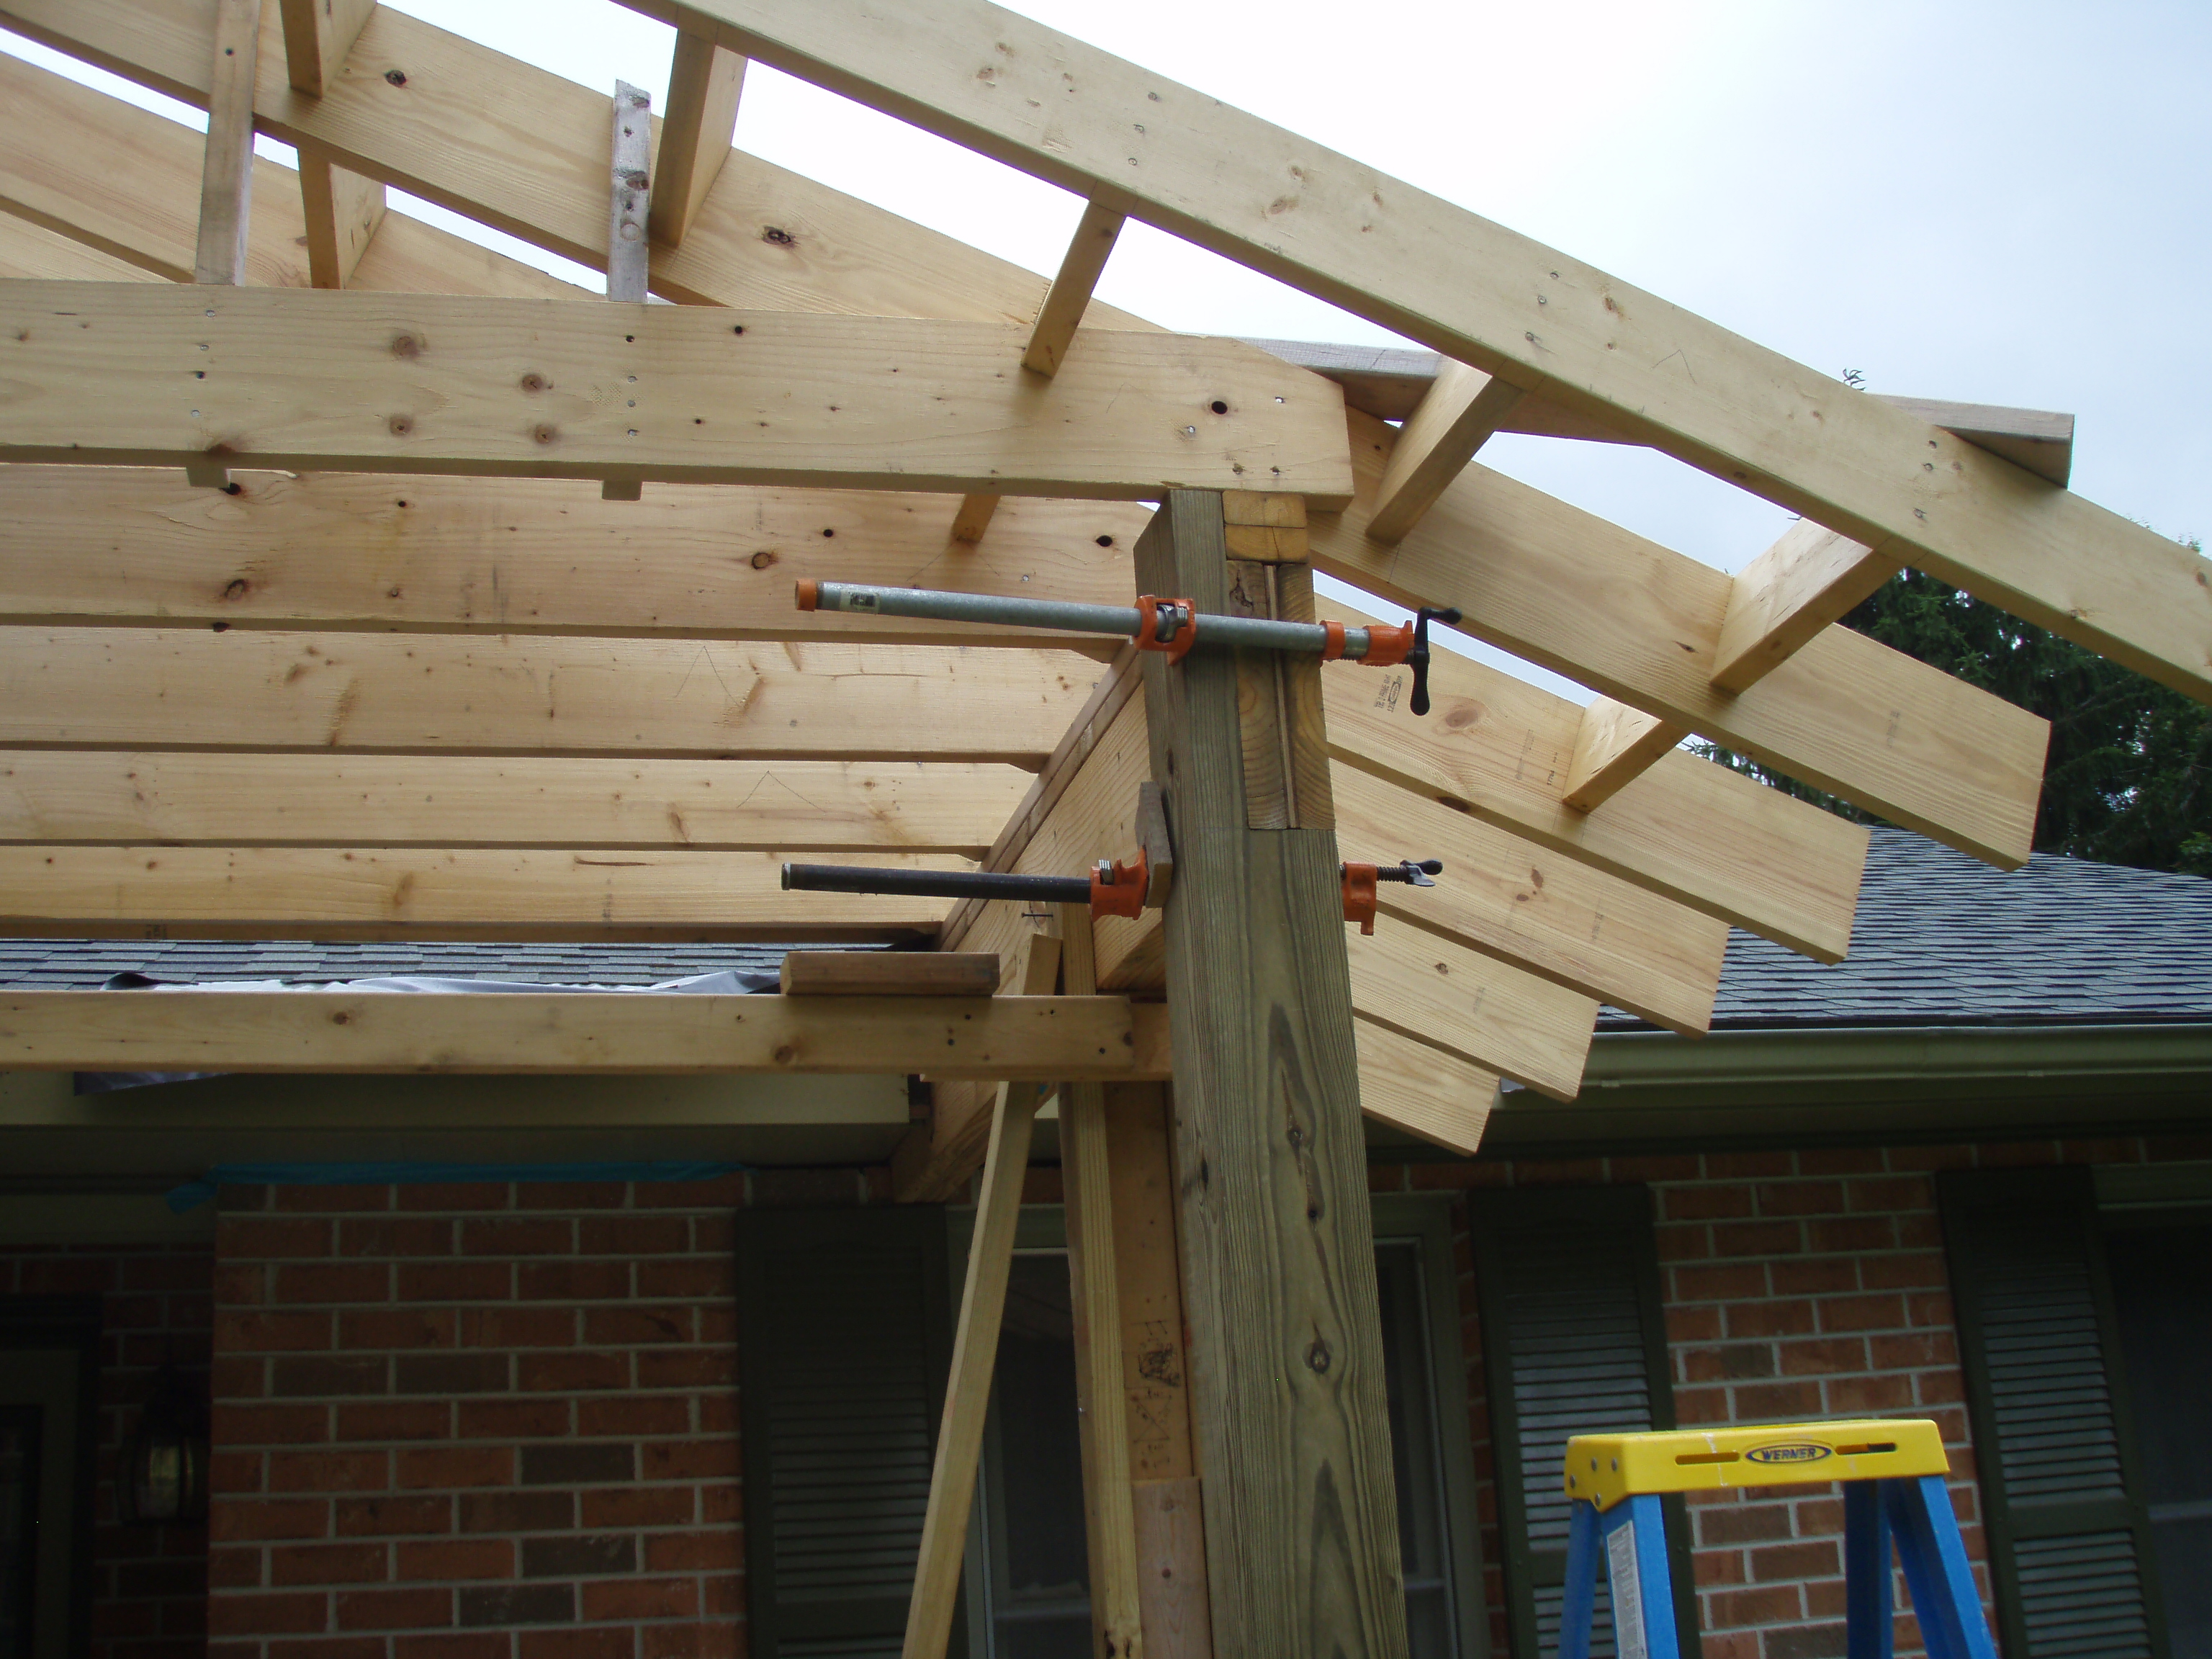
[692, 139]
[1781, 601]
[226, 180]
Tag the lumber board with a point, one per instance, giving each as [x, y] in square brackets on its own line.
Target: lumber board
[1483, 295]
[551, 1032]
[1171, 1541]
[343, 213]
[261, 690]
[1069, 297]
[1424, 1090]
[30, 250]
[692, 140]
[334, 550]
[1641, 624]
[1301, 1534]
[1614, 745]
[973, 519]
[1785, 596]
[48, 891]
[227, 174]
[197, 798]
[891, 974]
[1487, 1011]
[1463, 407]
[317, 35]
[526, 388]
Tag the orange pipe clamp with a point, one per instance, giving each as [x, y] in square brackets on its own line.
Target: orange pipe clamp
[1118, 888]
[1177, 645]
[1360, 894]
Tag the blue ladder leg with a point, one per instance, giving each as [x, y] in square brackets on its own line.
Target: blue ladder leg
[1635, 1534]
[1581, 1602]
[1868, 1626]
[1934, 1557]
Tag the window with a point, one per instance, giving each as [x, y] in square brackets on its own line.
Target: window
[49, 1373]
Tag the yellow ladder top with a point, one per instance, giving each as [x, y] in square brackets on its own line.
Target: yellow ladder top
[1604, 1469]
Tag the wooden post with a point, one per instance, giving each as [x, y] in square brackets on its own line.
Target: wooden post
[1278, 1268]
[227, 177]
[1085, 1167]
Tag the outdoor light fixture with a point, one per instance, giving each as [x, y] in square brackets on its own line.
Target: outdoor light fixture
[164, 1473]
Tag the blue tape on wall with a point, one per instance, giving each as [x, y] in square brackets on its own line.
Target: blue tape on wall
[193, 1193]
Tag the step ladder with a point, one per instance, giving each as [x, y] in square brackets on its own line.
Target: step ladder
[1892, 1470]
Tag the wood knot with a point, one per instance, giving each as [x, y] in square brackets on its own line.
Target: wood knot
[762, 560]
[400, 425]
[533, 382]
[1317, 1357]
[237, 588]
[406, 346]
[398, 77]
[545, 432]
[777, 237]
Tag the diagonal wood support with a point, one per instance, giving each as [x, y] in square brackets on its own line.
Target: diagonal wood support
[704, 85]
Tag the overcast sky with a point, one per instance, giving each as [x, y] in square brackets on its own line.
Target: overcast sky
[1989, 202]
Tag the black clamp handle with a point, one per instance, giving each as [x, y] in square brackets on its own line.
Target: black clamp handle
[1418, 658]
[1414, 873]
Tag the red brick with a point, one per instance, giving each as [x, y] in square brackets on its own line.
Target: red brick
[1694, 1407]
[1938, 1389]
[513, 1420]
[1769, 1401]
[566, 1195]
[590, 1642]
[1700, 1324]
[1827, 1356]
[1926, 1307]
[327, 1647]
[724, 1503]
[258, 1238]
[1860, 1396]
[725, 1192]
[1769, 1605]
[1754, 1319]
[1872, 1193]
[327, 1200]
[687, 1459]
[1750, 1166]
[643, 1506]
[1851, 1234]
[1740, 1238]
[1816, 1275]
[1712, 1568]
[1841, 1160]
[519, 1328]
[454, 1465]
[717, 1321]
[1705, 1203]
[718, 1413]
[537, 1235]
[634, 1414]
[238, 1520]
[1909, 1270]
[235, 1567]
[552, 1370]
[1732, 1281]
[572, 1281]
[454, 1644]
[640, 1598]
[721, 1551]
[1690, 1243]
[329, 1471]
[683, 1368]
[695, 1277]
[1862, 1313]
[264, 1330]
[1720, 1525]
[717, 1235]
[1918, 1232]
[233, 1425]
[267, 1613]
[1819, 1557]
[411, 1608]
[395, 1236]
[235, 1473]
[692, 1639]
[1678, 1166]
[395, 1420]
[633, 1235]
[456, 1197]
[1931, 1157]
[1801, 1198]
[393, 1517]
[455, 1281]
[1910, 1349]
[310, 1283]
[397, 1330]
[295, 1565]
[1734, 1363]
[724, 1593]
[1713, 1645]
[453, 1558]
[241, 1284]
[667, 1321]
[518, 1511]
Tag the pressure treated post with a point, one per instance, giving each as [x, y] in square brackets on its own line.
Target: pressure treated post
[1279, 1264]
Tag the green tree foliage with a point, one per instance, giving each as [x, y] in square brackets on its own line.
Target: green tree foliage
[2128, 777]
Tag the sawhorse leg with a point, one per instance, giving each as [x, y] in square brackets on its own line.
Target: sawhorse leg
[1631, 1539]
[1934, 1556]
[1867, 1618]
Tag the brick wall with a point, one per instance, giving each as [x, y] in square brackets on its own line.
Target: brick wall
[477, 1422]
[149, 1583]
[1797, 1285]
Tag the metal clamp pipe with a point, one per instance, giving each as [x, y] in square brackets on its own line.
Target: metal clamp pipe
[935, 884]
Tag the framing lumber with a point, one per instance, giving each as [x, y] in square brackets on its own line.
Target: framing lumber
[1615, 745]
[1480, 293]
[1782, 599]
[376, 892]
[972, 519]
[890, 973]
[226, 176]
[1301, 1536]
[1577, 595]
[1069, 296]
[259, 690]
[968, 1389]
[1463, 410]
[32, 251]
[199, 799]
[694, 133]
[1422, 1091]
[668, 393]
[317, 35]
[1094, 1293]
[135, 545]
[532, 1032]
[343, 213]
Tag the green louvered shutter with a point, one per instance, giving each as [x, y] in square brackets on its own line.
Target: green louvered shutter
[2068, 1537]
[843, 1330]
[1573, 1343]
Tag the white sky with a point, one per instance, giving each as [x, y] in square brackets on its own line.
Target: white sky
[2001, 203]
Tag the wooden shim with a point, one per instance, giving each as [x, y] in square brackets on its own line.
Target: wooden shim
[704, 85]
[539, 556]
[968, 1389]
[213, 799]
[226, 178]
[1640, 623]
[375, 892]
[890, 973]
[449, 384]
[629, 193]
[1457, 418]
[1614, 745]
[1302, 1547]
[1094, 1284]
[1069, 297]
[254, 690]
[533, 1032]
[317, 35]
[1500, 301]
[344, 211]
[1789, 594]
[1422, 1089]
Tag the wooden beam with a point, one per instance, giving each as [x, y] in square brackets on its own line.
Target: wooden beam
[973, 518]
[968, 1389]
[375, 892]
[1486, 296]
[217, 799]
[1615, 745]
[890, 973]
[261, 690]
[1788, 595]
[673, 394]
[1457, 418]
[343, 212]
[134, 545]
[1423, 1090]
[1069, 297]
[1094, 1293]
[317, 35]
[1302, 1547]
[534, 1032]
[704, 85]
[29, 250]
[1577, 595]
[227, 175]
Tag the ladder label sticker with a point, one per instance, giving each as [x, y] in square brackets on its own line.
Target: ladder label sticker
[1797, 1451]
[1627, 1593]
